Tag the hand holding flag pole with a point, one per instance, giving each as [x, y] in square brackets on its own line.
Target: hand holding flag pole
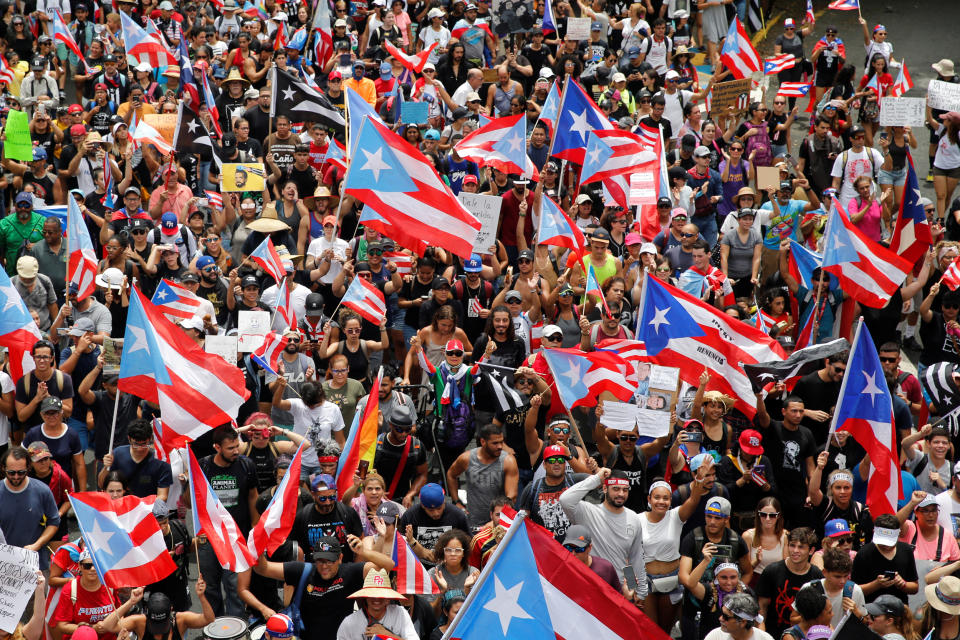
[843, 384]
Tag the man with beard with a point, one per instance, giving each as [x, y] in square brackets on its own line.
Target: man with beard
[400, 457]
[233, 478]
[391, 402]
[20, 495]
[630, 458]
[430, 519]
[499, 345]
[296, 368]
[212, 288]
[20, 229]
[541, 498]
[490, 472]
[615, 528]
[326, 517]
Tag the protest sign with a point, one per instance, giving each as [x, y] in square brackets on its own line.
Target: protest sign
[164, 123]
[112, 350]
[17, 144]
[223, 346]
[513, 16]
[578, 28]
[943, 95]
[643, 185]
[414, 112]
[487, 210]
[18, 581]
[243, 176]
[903, 112]
[251, 327]
[768, 177]
[726, 94]
[619, 415]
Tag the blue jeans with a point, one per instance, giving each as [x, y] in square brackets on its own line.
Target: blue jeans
[741, 6]
[778, 150]
[708, 227]
[81, 429]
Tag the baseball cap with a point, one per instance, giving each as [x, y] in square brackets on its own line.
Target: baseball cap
[583, 199]
[388, 511]
[51, 403]
[836, 527]
[78, 130]
[885, 537]
[431, 134]
[322, 479]
[719, 507]
[439, 283]
[75, 108]
[82, 326]
[159, 619]
[23, 196]
[578, 535]
[473, 96]
[600, 234]
[751, 442]
[85, 632]
[249, 281]
[633, 53]
[169, 224]
[38, 451]
[551, 330]
[820, 632]
[513, 296]
[27, 267]
[474, 264]
[335, 75]
[886, 605]
[193, 322]
[313, 305]
[648, 247]
[788, 23]
[453, 345]
[618, 77]
[701, 152]
[39, 63]
[786, 185]
[595, 26]
[280, 625]
[470, 179]
[431, 495]
[526, 254]
[555, 450]
[928, 501]
[633, 238]
[205, 261]
[671, 75]
[189, 276]
[327, 548]
[385, 69]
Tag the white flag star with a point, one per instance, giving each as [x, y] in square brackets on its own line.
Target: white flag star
[288, 93]
[192, 126]
[659, 318]
[374, 163]
[572, 374]
[594, 155]
[505, 604]
[580, 124]
[515, 143]
[139, 340]
[872, 389]
[11, 296]
[161, 295]
[100, 537]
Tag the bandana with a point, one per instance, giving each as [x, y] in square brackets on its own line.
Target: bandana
[659, 484]
[616, 482]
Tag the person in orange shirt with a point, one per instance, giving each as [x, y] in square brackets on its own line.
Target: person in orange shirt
[362, 85]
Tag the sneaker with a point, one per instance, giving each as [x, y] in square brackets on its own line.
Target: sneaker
[929, 176]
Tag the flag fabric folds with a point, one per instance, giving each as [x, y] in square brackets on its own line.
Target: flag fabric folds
[361, 444]
[581, 377]
[412, 576]
[911, 235]
[82, 261]
[176, 301]
[738, 53]
[276, 521]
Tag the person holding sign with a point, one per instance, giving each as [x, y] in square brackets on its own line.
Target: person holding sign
[33, 628]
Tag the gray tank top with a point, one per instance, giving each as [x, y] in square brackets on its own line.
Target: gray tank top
[571, 330]
[484, 483]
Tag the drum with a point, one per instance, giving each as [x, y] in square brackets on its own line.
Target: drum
[226, 628]
[257, 632]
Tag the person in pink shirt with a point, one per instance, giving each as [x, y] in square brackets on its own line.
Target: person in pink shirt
[930, 540]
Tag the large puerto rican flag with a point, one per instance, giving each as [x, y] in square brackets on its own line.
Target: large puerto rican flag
[82, 261]
[276, 521]
[18, 331]
[501, 145]
[911, 236]
[534, 588]
[738, 53]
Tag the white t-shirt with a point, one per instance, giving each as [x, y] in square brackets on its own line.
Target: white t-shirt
[720, 634]
[948, 154]
[428, 36]
[315, 424]
[298, 301]
[658, 53]
[662, 539]
[949, 517]
[339, 246]
[7, 385]
[858, 164]
[673, 110]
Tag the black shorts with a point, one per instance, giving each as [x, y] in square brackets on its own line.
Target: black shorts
[934, 137]
[825, 79]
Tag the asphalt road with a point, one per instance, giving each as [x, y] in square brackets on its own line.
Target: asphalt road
[921, 33]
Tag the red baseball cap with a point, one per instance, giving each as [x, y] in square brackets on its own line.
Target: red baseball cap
[74, 108]
[78, 130]
[555, 450]
[470, 179]
[751, 442]
[335, 75]
[453, 345]
[99, 86]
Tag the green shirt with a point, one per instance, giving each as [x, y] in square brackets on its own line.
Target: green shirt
[13, 234]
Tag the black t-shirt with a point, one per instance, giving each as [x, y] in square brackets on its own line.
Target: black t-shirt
[259, 122]
[780, 584]
[427, 530]
[411, 291]
[817, 396]
[542, 502]
[777, 137]
[311, 525]
[788, 451]
[232, 485]
[514, 431]
[869, 563]
[387, 461]
[937, 345]
[325, 603]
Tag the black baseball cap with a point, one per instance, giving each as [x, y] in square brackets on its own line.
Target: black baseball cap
[313, 305]
[327, 548]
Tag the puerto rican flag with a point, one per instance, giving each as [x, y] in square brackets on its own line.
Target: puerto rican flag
[175, 301]
[501, 145]
[951, 277]
[215, 198]
[18, 331]
[557, 229]
[366, 299]
[146, 134]
[794, 89]
[336, 154]
[165, 441]
[810, 17]
[109, 199]
[61, 33]
[402, 260]
[649, 135]
[614, 153]
[904, 82]
[142, 46]
[629, 350]
[212, 519]
[682, 331]
[550, 109]
[592, 288]
[267, 355]
[6, 73]
[82, 262]
[911, 235]
[266, 257]
[577, 116]
[549, 24]
[323, 48]
[196, 391]
[413, 62]
[584, 376]
[868, 272]
[372, 219]
[124, 539]
[865, 410]
[534, 588]
[284, 307]
[211, 102]
[779, 63]
[738, 53]
[403, 188]
[845, 5]
[276, 521]
[412, 576]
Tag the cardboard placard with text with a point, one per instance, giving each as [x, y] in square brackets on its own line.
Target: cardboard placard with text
[726, 94]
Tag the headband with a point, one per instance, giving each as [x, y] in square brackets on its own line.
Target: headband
[617, 482]
[950, 600]
[944, 250]
[327, 458]
[723, 566]
[840, 474]
[659, 484]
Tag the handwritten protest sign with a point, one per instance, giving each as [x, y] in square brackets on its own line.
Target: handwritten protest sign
[726, 94]
[487, 211]
[943, 95]
[18, 145]
[902, 112]
[18, 581]
[643, 185]
[252, 326]
[223, 346]
[578, 28]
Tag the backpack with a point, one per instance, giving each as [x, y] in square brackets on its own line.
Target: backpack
[293, 609]
[460, 290]
[794, 632]
[456, 426]
[873, 166]
[28, 378]
[761, 144]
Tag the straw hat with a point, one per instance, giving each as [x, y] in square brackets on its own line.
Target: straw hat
[268, 221]
[718, 396]
[945, 595]
[284, 253]
[173, 71]
[745, 191]
[234, 76]
[377, 585]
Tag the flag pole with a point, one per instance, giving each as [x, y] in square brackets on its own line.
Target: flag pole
[113, 423]
[843, 385]
[573, 422]
[485, 574]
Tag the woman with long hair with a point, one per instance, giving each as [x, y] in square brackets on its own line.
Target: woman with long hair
[874, 84]
[767, 540]
[450, 604]
[946, 163]
[350, 344]
[892, 619]
[366, 497]
[893, 171]
[711, 407]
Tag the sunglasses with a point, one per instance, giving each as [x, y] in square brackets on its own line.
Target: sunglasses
[366, 276]
[17, 474]
[86, 565]
[943, 305]
[553, 338]
[138, 232]
[663, 269]
[454, 354]
[374, 252]
[561, 430]
[556, 460]
[523, 381]
[844, 540]
[353, 331]
[339, 370]
[524, 261]
[767, 514]
[625, 437]
[887, 359]
[572, 548]
[332, 498]
[726, 617]
[688, 235]
[779, 102]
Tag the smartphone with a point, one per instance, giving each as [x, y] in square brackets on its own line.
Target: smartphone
[884, 135]
[889, 575]
[344, 59]
[362, 469]
[203, 202]
[724, 550]
[758, 468]
[630, 576]
[694, 436]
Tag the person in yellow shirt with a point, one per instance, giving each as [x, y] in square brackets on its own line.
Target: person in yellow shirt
[135, 104]
[362, 85]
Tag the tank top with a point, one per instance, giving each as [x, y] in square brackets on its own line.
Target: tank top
[604, 272]
[570, 328]
[265, 460]
[720, 446]
[357, 361]
[769, 556]
[738, 179]
[501, 99]
[898, 154]
[485, 483]
[316, 226]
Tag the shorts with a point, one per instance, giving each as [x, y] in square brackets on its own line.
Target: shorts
[949, 173]
[408, 332]
[825, 80]
[395, 318]
[779, 150]
[896, 177]
[675, 593]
